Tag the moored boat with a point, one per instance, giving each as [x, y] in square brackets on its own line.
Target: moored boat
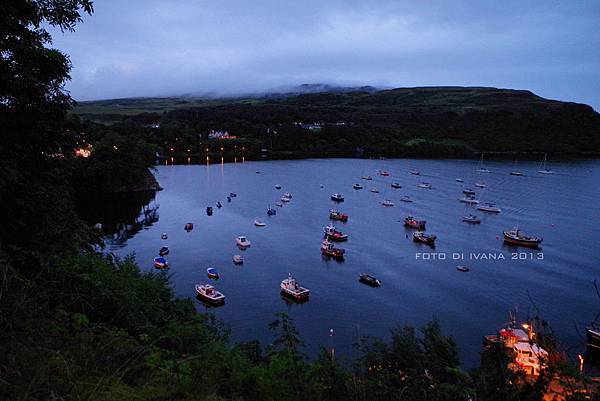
[211, 272]
[367, 177]
[238, 259]
[374, 190]
[480, 185]
[219, 205]
[387, 202]
[428, 239]
[424, 185]
[188, 227]
[357, 186]
[543, 168]
[209, 294]
[460, 180]
[164, 236]
[271, 211]
[209, 211]
[328, 249]
[411, 222]
[469, 199]
[164, 250]
[369, 280]
[396, 185]
[468, 191]
[337, 215]
[415, 172]
[334, 235]
[337, 197]
[277, 186]
[406, 198]
[292, 289]
[384, 173]
[489, 207]
[592, 333]
[285, 199]
[288, 195]
[471, 218]
[462, 269]
[232, 194]
[160, 262]
[515, 237]
[517, 173]
[242, 241]
[259, 223]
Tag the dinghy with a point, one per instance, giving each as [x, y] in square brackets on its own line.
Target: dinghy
[209, 294]
[211, 272]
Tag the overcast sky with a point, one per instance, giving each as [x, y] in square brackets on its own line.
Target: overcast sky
[163, 48]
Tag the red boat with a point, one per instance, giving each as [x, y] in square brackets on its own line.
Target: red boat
[384, 173]
[411, 222]
[328, 249]
[516, 237]
[189, 227]
[334, 235]
[336, 215]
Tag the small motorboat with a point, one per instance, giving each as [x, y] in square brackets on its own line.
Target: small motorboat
[406, 198]
[468, 192]
[232, 194]
[288, 195]
[384, 173]
[292, 289]
[480, 185]
[415, 172]
[357, 186]
[209, 211]
[211, 272]
[367, 177]
[328, 249]
[517, 173]
[285, 199]
[374, 190]
[337, 197]
[259, 223]
[160, 262]
[242, 241]
[469, 199]
[271, 211]
[337, 215]
[460, 180]
[277, 186]
[238, 259]
[279, 204]
[189, 227]
[164, 250]
[219, 205]
[164, 236]
[209, 294]
[411, 222]
[428, 239]
[334, 235]
[489, 207]
[471, 218]
[483, 170]
[369, 280]
[395, 185]
[387, 202]
[515, 237]
[463, 269]
[424, 185]
[228, 198]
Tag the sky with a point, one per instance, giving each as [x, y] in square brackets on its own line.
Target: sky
[168, 48]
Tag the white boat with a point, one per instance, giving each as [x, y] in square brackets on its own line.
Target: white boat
[288, 195]
[425, 185]
[208, 293]
[367, 177]
[238, 259]
[415, 172]
[469, 199]
[285, 199]
[337, 197]
[242, 241]
[460, 180]
[291, 288]
[516, 172]
[259, 223]
[387, 202]
[489, 207]
[374, 190]
[480, 167]
[277, 186]
[480, 184]
[396, 185]
[471, 218]
[543, 169]
[406, 198]
[164, 236]
[357, 186]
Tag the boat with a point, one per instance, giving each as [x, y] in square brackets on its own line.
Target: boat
[384, 173]
[209, 211]
[160, 262]
[98, 226]
[468, 191]
[259, 223]
[228, 198]
[328, 249]
[211, 272]
[209, 294]
[415, 172]
[387, 202]
[242, 241]
[219, 205]
[471, 218]
[489, 207]
[277, 186]
[337, 197]
[480, 167]
[279, 204]
[428, 239]
[515, 237]
[480, 185]
[164, 236]
[271, 211]
[232, 194]
[517, 173]
[462, 269]
[337, 215]
[395, 185]
[460, 180]
[238, 259]
[357, 186]
[288, 195]
[292, 289]
[369, 280]
[543, 169]
[406, 198]
[285, 199]
[367, 177]
[469, 199]
[411, 222]
[374, 190]
[164, 250]
[592, 333]
[334, 235]
[425, 185]
[189, 227]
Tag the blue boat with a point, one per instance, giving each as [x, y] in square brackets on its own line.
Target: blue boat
[160, 262]
[212, 273]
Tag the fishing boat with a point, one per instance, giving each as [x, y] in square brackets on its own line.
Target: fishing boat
[271, 211]
[396, 185]
[387, 202]
[337, 197]
[415, 172]
[337, 215]
[209, 211]
[469, 199]
[334, 235]
[328, 249]
[160, 262]
[428, 239]
[460, 180]
[384, 173]
[211, 272]
[292, 289]
[238, 259]
[480, 166]
[357, 186]
[411, 222]
[369, 280]
[480, 185]
[543, 169]
[277, 186]
[285, 199]
[219, 205]
[189, 227]
[471, 218]
[489, 207]
[374, 190]
[425, 185]
[164, 250]
[367, 177]
[259, 223]
[468, 191]
[242, 241]
[592, 333]
[515, 237]
[209, 294]
[463, 269]
[164, 236]
[406, 198]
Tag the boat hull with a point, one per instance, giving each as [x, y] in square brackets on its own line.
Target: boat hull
[593, 338]
[527, 244]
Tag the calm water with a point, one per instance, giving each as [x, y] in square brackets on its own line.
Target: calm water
[563, 208]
